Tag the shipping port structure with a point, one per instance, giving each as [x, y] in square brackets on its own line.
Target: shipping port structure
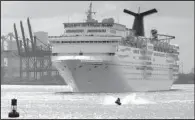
[26, 58]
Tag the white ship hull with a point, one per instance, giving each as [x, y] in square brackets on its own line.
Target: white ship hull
[92, 77]
[107, 76]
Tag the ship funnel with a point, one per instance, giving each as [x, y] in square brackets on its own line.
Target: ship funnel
[138, 24]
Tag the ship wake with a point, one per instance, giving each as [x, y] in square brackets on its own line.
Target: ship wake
[129, 99]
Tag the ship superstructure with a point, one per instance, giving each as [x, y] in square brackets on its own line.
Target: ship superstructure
[105, 56]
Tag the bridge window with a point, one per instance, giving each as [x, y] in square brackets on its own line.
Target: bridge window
[97, 30]
[159, 54]
[87, 42]
[74, 31]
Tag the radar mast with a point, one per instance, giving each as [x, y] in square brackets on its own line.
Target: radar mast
[89, 14]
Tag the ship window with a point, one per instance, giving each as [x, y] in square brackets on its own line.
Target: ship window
[136, 51]
[97, 30]
[74, 31]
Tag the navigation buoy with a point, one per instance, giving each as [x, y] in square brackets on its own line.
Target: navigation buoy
[118, 101]
[14, 112]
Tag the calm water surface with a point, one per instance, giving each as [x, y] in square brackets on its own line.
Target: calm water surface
[52, 102]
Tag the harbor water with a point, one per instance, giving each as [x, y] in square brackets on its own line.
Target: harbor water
[53, 102]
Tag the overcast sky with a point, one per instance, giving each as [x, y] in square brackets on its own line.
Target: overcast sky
[173, 18]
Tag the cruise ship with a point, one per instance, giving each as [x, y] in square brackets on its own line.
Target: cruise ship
[108, 57]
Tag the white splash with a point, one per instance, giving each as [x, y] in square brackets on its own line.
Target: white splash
[109, 100]
[129, 99]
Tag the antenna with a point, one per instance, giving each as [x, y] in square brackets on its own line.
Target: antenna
[89, 13]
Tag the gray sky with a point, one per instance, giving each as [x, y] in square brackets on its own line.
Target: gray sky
[173, 17]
